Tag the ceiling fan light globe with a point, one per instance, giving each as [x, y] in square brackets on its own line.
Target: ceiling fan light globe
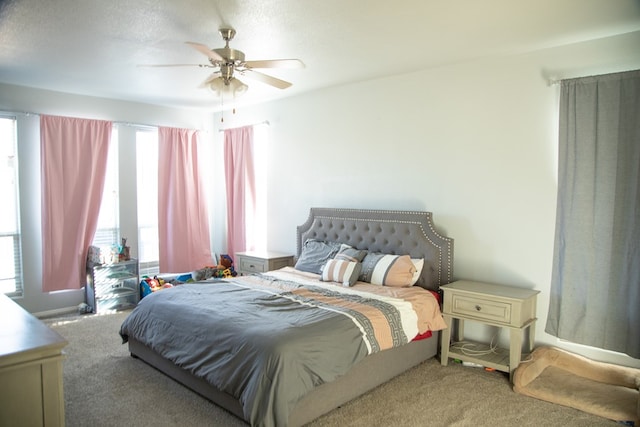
[231, 88]
[240, 89]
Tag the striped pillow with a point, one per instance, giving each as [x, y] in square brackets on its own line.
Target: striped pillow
[387, 270]
[350, 254]
[341, 271]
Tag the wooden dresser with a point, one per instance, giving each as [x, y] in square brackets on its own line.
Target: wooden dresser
[31, 392]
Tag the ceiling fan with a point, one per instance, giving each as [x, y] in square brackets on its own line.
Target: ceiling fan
[230, 62]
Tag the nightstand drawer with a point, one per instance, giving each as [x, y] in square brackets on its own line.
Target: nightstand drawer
[261, 262]
[253, 265]
[485, 309]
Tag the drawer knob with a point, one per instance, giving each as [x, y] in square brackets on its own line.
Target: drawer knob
[478, 308]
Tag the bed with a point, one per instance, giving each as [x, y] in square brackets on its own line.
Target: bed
[295, 392]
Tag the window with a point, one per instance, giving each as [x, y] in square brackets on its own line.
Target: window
[108, 230]
[147, 170]
[10, 246]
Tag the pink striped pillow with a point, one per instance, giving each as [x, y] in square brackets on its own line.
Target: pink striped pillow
[341, 271]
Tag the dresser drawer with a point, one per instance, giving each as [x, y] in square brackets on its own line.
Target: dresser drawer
[485, 309]
[123, 302]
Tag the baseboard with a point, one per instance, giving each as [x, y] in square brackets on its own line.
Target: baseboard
[56, 312]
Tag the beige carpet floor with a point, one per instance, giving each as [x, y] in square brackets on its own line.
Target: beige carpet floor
[105, 386]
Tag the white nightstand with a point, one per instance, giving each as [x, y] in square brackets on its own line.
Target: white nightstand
[259, 262]
[496, 305]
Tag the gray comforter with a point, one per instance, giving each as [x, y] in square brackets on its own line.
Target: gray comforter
[265, 341]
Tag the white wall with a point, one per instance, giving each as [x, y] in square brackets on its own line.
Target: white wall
[475, 143]
[27, 100]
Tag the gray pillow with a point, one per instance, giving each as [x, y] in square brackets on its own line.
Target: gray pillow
[315, 254]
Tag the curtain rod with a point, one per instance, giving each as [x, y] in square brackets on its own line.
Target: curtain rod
[264, 122]
[138, 125]
[551, 81]
[115, 122]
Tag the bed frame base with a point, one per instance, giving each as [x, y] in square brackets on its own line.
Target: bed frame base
[369, 373]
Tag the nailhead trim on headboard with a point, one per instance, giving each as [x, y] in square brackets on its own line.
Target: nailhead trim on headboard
[382, 231]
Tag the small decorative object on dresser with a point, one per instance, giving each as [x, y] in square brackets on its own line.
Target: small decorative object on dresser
[490, 304]
[261, 262]
[112, 286]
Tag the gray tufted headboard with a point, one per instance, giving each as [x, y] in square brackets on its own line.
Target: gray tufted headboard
[387, 231]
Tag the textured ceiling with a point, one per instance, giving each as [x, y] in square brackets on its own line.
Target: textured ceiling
[94, 47]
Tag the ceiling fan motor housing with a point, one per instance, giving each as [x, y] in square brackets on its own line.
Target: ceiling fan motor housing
[226, 72]
[232, 58]
[230, 55]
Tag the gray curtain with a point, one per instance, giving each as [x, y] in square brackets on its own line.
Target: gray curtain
[595, 288]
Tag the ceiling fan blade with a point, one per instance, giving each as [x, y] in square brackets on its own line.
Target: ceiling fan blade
[255, 75]
[173, 65]
[204, 49]
[275, 63]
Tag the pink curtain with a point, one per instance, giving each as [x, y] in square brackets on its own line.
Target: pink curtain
[73, 161]
[183, 225]
[240, 183]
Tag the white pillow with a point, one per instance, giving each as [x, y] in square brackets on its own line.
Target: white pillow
[418, 263]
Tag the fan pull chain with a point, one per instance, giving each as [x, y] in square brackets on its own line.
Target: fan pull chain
[222, 105]
[233, 110]
[222, 113]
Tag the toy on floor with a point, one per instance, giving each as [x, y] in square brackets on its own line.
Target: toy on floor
[224, 269]
[149, 285]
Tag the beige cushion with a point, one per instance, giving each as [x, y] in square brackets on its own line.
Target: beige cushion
[387, 270]
[568, 379]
